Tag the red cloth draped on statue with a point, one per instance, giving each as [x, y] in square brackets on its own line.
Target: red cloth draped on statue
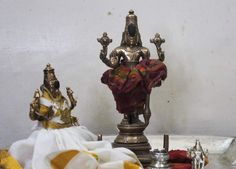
[179, 159]
[130, 86]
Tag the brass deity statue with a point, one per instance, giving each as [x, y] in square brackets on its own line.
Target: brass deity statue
[50, 108]
[131, 79]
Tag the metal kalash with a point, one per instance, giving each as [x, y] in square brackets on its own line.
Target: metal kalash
[131, 79]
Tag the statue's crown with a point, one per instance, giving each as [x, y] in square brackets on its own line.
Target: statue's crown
[131, 29]
[131, 18]
[48, 68]
[49, 73]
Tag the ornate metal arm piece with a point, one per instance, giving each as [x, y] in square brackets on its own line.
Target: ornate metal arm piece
[73, 102]
[105, 41]
[157, 40]
[34, 109]
[147, 111]
[66, 115]
[34, 105]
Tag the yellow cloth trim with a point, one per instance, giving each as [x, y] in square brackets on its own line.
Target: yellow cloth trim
[92, 154]
[43, 110]
[7, 161]
[54, 125]
[46, 94]
[206, 161]
[129, 165]
[62, 159]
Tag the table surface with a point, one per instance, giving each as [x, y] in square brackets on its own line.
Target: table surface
[217, 162]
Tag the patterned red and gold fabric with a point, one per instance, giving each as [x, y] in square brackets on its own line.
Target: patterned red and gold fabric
[130, 86]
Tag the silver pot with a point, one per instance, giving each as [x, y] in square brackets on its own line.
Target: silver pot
[160, 159]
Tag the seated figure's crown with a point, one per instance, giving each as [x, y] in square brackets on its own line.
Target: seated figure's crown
[49, 73]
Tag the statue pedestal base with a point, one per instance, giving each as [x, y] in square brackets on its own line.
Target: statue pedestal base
[131, 136]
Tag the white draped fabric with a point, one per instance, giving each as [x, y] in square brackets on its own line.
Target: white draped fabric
[43, 145]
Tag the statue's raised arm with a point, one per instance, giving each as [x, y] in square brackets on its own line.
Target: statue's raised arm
[157, 40]
[113, 61]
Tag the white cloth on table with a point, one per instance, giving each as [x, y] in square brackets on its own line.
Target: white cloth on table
[101, 158]
[43, 145]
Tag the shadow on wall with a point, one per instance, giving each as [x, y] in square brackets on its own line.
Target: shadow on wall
[102, 109]
[170, 113]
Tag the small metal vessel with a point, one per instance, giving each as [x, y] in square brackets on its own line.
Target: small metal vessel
[160, 159]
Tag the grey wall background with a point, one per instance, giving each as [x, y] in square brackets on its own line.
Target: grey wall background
[198, 96]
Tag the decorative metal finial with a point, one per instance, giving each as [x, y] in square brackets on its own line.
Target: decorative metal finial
[157, 40]
[104, 40]
[131, 11]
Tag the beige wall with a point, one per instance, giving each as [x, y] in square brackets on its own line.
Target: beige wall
[198, 96]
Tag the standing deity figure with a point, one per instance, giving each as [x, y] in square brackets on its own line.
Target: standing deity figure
[50, 108]
[131, 79]
[198, 155]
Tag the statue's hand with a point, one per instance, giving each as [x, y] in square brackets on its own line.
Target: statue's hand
[71, 97]
[34, 105]
[49, 115]
[74, 121]
[104, 40]
[157, 40]
[36, 101]
[103, 54]
[32, 114]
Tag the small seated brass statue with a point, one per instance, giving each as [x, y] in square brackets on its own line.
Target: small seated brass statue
[50, 108]
[131, 78]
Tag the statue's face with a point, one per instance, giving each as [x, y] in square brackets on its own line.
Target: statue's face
[53, 86]
[132, 35]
